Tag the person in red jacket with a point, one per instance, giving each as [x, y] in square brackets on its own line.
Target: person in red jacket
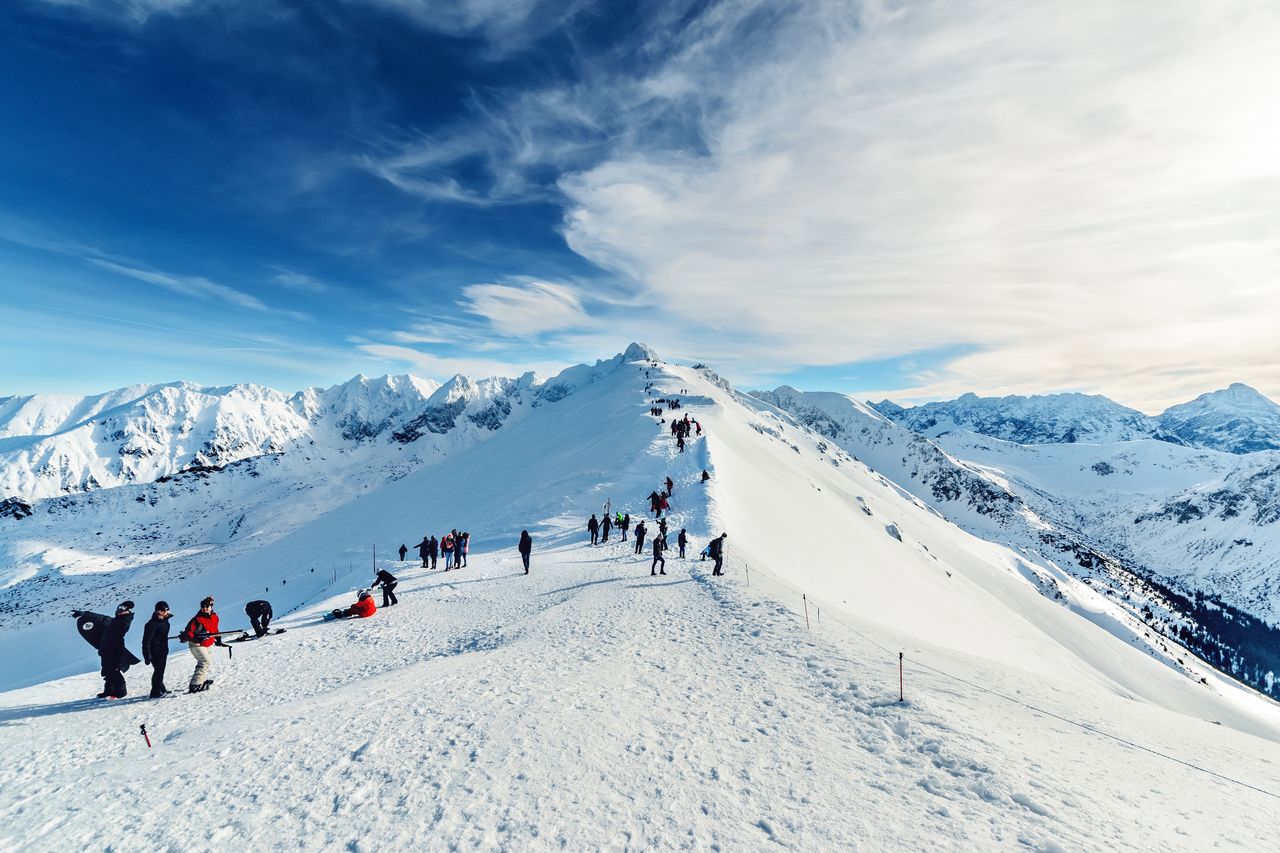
[201, 635]
[364, 607]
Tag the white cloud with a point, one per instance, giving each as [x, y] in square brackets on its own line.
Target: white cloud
[187, 285]
[1087, 192]
[526, 307]
[442, 367]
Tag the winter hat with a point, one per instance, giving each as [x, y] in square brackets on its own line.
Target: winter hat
[208, 599]
[125, 605]
[162, 605]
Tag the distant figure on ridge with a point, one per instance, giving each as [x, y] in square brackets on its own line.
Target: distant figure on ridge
[605, 526]
[659, 545]
[424, 550]
[594, 527]
[525, 548]
[716, 551]
[404, 549]
[640, 538]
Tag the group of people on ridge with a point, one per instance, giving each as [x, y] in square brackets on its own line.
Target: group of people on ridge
[453, 545]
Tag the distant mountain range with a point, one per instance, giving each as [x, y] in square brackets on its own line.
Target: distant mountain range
[1236, 419]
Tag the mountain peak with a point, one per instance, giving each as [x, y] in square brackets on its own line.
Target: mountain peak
[639, 352]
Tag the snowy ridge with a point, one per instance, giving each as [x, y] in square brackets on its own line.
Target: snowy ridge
[663, 712]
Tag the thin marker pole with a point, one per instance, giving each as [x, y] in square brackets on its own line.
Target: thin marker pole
[805, 599]
[900, 693]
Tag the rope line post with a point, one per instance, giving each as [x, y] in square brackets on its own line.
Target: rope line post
[901, 698]
[804, 598]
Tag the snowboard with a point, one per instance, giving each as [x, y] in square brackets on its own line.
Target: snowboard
[246, 636]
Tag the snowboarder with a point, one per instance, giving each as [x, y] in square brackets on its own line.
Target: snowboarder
[362, 609]
[403, 550]
[594, 527]
[425, 550]
[388, 583]
[605, 527]
[716, 551]
[155, 647]
[682, 540]
[640, 538]
[525, 548]
[259, 613]
[115, 657]
[200, 635]
[659, 545]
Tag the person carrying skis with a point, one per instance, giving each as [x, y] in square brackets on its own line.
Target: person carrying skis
[201, 635]
[715, 550]
[404, 549]
[155, 647]
[259, 613]
[362, 609]
[525, 548]
[594, 527]
[387, 581]
[682, 540]
[640, 538]
[113, 653]
[659, 545]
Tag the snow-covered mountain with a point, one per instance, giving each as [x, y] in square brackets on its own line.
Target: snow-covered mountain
[1237, 419]
[589, 705]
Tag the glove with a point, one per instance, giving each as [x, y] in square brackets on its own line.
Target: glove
[218, 642]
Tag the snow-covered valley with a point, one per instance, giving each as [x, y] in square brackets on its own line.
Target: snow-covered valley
[590, 705]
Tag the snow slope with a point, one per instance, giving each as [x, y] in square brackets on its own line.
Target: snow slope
[589, 705]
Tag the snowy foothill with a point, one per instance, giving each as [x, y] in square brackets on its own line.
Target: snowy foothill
[590, 705]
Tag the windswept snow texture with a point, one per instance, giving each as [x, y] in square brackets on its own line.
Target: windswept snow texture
[1236, 419]
[590, 705]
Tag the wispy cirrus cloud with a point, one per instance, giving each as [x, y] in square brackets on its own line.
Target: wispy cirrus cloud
[187, 285]
[526, 307]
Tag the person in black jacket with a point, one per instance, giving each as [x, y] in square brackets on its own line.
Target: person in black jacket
[387, 581]
[605, 527]
[594, 527]
[716, 551]
[259, 613]
[433, 548]
[426, 550]
[155, 647]
[113, 652]
[525, 547]
[404, 549]
[682, 540]
[659, 545]
[640, 538]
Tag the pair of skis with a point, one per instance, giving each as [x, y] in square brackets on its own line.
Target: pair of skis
[246, 636]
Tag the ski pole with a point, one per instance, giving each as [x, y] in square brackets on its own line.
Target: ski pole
[146, 736]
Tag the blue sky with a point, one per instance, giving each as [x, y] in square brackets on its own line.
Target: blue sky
[910, 200]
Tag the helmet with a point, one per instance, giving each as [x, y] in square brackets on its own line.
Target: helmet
[364, 593]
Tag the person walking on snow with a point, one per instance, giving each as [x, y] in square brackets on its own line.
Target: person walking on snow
[594, 527]
[424, 550]
[115, 656]
[403, 550]
[682, 540]
[155, 647]
[259, 613]
[200, 635]
[362, 609]
[640, 538]
[604, 527]
[659, 545]
[716, 551]
[525, 548]
[671, 487]
[654, 501]
[387, 581]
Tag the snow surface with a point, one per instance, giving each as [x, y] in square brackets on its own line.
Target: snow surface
[589, 705]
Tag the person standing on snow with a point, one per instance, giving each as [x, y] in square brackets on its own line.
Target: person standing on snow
[716, 551]
[259, 613]
[424, 550]
[403, 550]
[682, 540]
[671, 487]
[466, 546]
[387, 581]
[605, 526]
[525, 548]
[659, 545]
[446, 545]
[625, 524]
[640, 538]
[115, 657]
[200, 635]
[594, 527]
[433, 548]
[155, 647]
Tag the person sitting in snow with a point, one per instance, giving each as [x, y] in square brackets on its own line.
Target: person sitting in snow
[363, 608]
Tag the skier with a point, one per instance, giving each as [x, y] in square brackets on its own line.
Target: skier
[362, 609]
[659, 545]
[200, 635]
[682, 540]
[387, 581]
[259, 613]
[115, 656]
[403, 550]
[525, 548]
[594, 527]
[640, 538]
[155, 647]
[605, 527]
[425, 550]
[716, 551]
